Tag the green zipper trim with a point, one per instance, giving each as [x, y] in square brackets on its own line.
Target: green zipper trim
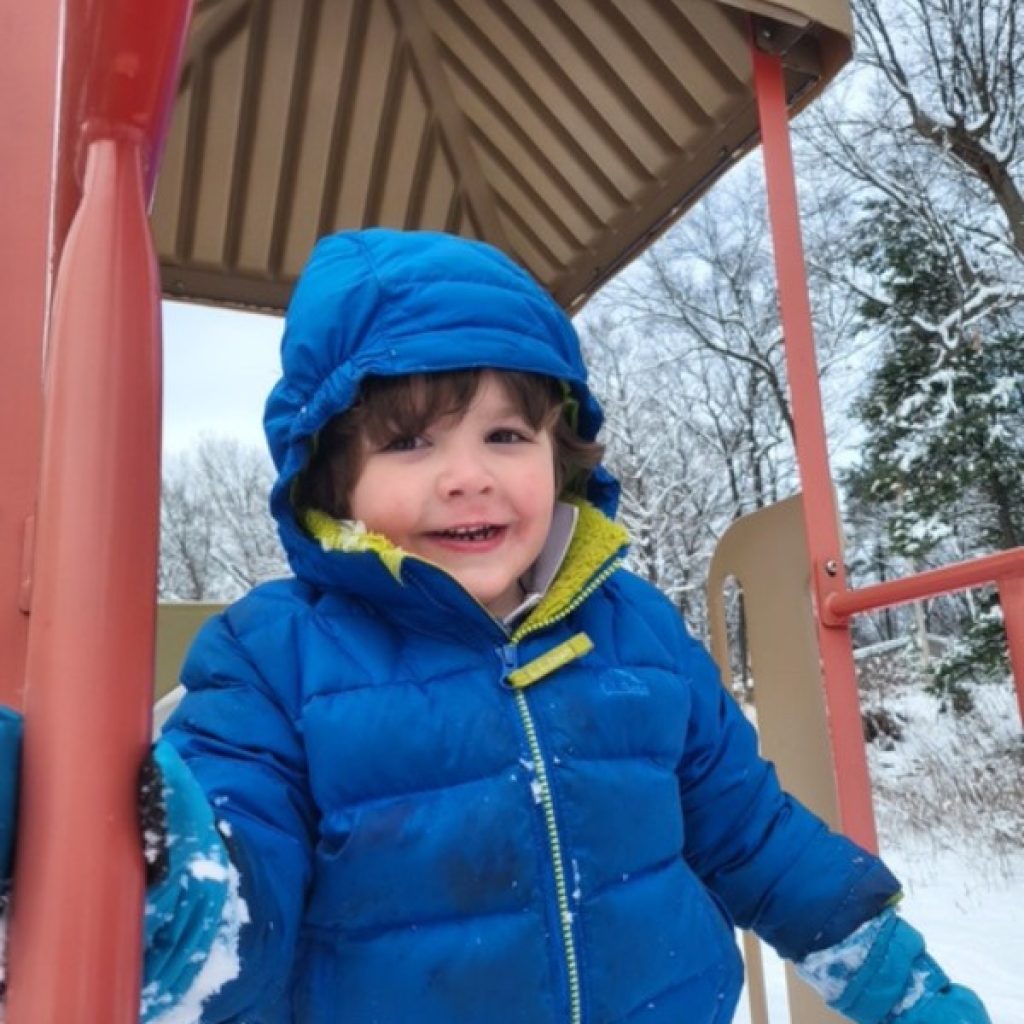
[550, 661]
[533, 625]
[581, 643]
[543, 791]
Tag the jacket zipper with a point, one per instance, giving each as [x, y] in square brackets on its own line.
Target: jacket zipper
[542, 796]
[509, 654]
[543, 791]
[510, 659]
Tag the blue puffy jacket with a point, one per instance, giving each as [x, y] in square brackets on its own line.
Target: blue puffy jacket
[428, 835]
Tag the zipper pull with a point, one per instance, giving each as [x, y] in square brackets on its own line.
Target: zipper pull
[540, 668]
[509, 655]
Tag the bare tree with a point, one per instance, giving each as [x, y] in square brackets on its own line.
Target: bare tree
[238, 479]
[187, 570]
[679, 446]
[921, 152]
[953, 67]
[217, 537]
[709, 284]
[930, 120]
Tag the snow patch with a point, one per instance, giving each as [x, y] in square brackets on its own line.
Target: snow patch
[207, 869]
[915, 990]
[828, 971]
[577, 891]
[152, 845]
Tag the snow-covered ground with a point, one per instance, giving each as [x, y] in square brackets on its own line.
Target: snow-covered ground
[950, 808]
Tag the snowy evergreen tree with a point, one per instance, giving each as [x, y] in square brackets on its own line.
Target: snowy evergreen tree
[944, 412]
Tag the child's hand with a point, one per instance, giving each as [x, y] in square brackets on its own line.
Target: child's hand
[881, 974]
[193, 908]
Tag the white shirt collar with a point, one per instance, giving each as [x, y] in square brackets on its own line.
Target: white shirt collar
[539, 577]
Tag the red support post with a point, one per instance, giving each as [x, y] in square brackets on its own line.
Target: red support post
[841, 700]
[29, 34]
[74, 953]
[1011, 598]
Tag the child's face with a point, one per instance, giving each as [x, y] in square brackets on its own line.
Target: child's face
[474, 495]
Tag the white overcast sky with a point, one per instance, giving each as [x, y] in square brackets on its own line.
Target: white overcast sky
[219, 366]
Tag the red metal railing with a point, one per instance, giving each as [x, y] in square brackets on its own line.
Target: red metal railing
[1005, 569]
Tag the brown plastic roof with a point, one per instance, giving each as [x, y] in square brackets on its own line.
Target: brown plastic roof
[567, 132]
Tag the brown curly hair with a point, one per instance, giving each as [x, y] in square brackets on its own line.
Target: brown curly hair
[404, 406]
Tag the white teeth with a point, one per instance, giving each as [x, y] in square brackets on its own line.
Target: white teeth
[470, 533]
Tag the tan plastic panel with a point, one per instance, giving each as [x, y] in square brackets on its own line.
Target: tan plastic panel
[567, 132]
[765, 552]
[176, 627]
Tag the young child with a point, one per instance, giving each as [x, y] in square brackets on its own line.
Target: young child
[464, 768]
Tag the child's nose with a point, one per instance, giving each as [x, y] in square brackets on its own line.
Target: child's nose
[464, 474]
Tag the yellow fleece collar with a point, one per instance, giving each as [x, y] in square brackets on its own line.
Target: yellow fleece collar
[350, 535]
[595, 542]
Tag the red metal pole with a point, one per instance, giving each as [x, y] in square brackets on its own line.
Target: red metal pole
[28, 88]
[77, 903]
[78, 888]
[820, 514]
[1011, 598]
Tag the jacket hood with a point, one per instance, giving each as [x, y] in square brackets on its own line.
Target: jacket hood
[387, 303]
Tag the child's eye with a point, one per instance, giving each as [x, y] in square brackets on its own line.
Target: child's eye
[507, 435]
[403, 444]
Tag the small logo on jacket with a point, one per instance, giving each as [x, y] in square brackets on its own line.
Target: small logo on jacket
[619, 683]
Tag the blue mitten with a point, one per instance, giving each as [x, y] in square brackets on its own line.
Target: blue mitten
[881, 974]
[10, 774]
[193, 911]
[10, 764]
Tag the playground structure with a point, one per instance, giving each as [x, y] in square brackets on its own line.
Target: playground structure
[568, 132]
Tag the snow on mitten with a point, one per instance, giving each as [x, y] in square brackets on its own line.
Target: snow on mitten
[952, 1004]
